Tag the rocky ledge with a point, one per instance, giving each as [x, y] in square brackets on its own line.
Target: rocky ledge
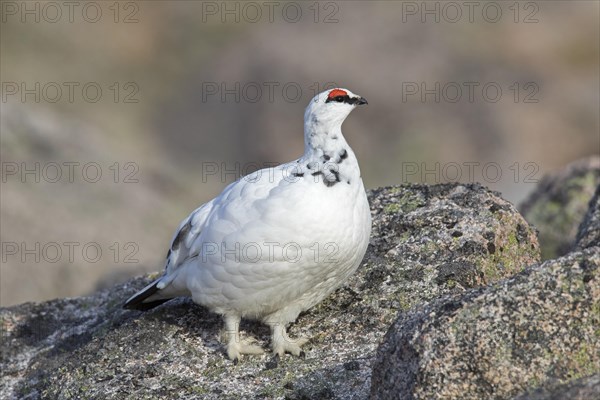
[452, 274]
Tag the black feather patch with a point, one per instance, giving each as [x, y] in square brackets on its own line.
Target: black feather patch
[137, 302]
[336, 174]
[181, 235]
[327, 182]
[147, 306]
[343, 155]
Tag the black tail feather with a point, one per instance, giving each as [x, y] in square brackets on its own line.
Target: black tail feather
[144, 306]
[137, 302]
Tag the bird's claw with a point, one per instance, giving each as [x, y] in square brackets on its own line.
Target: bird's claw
[235, 349]
[292, 347]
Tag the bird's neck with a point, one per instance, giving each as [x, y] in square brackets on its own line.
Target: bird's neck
[325, 147]
[321, 138]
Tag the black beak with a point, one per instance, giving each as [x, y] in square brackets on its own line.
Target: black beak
[361, 100]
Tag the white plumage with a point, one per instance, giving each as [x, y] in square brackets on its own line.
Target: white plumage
[275, 242]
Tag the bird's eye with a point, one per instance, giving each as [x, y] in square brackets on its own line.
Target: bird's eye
[339, 99]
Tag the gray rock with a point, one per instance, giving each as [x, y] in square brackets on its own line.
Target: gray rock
[558, 204]
[587, 388]
[528, 331]
[427, 241]
[589, 230]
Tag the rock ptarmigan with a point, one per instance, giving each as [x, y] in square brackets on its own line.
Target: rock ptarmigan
[275, 242]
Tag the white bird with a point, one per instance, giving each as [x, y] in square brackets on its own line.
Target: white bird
[275, 242]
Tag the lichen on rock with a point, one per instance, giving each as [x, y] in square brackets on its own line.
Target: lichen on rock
[558, 204]
[589, 230]
[540, 326]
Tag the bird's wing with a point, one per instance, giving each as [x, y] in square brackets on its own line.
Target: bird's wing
[181, 250]
[222, 219]
[182, 246]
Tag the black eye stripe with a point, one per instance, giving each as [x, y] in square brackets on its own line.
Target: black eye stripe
[342, 99]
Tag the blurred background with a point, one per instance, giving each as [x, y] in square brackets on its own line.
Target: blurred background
[119, 118]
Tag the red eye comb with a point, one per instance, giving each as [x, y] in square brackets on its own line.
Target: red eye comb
[337, 92]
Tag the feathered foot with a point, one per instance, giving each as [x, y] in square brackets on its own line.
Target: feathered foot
[235, 345]
[282, 343]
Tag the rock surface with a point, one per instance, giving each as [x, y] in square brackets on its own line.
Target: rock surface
[427, 241]
[587, 388]
[535, 335]
[558, 204]
[589, 230]
[540, 326]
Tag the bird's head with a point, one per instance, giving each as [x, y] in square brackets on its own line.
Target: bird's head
[331, 107]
